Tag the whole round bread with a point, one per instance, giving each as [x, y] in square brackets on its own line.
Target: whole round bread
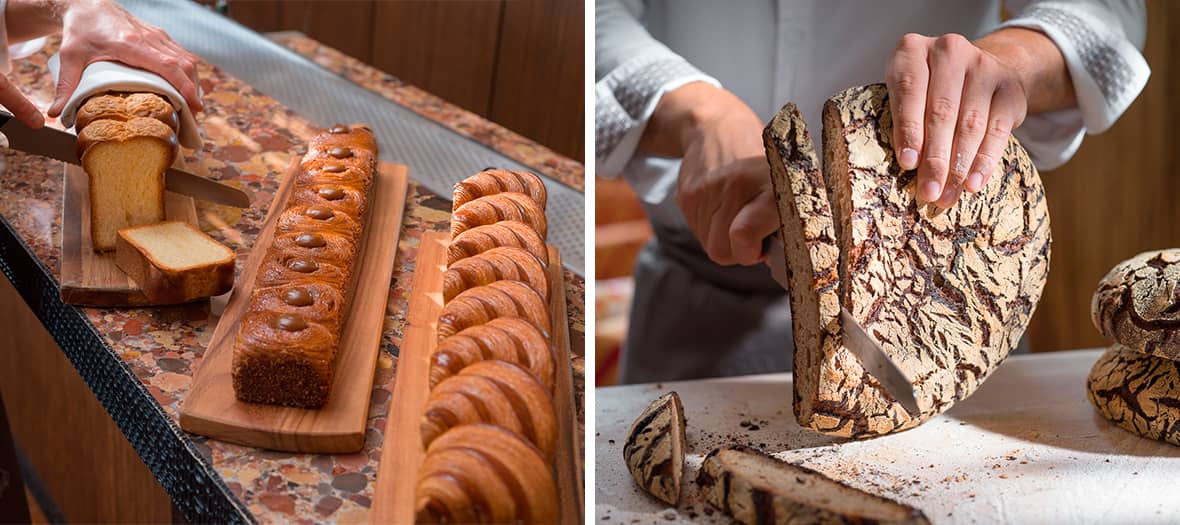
[1138, 392]
[1138, 304]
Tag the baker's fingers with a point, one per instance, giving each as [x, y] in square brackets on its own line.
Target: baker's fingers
[907, 75]
[25, 111]
[978, 87]
[716, 242]
[1007, 112]
[68, 77]
[948, 58]
[756, 221]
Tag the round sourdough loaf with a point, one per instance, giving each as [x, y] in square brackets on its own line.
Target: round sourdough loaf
[1138, 392]
[1138, 304]
[947, 293]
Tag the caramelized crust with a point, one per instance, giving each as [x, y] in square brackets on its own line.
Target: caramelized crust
[493, 181]
[496, 208]
[481, 304]
[504, 233]
[497, 264]
[124, 107]
[506, 339]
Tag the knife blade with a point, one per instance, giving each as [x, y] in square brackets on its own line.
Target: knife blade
[872, 357]
[60, 145]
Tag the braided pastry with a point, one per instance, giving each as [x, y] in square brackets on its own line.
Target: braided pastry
[483, 303]
[493, 181]
[496, 208]
[305, 280]
[508, 339]
[497, 264]
[454, 489]
[504, 233]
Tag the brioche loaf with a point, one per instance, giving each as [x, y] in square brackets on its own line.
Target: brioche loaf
[173, 262]
[1138, 304]
[947, 294]
[290, 333]
[125, 142]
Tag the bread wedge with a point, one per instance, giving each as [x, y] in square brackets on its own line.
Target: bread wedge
[753, 487]
[173, 262]
[655, 448]
[947, 293]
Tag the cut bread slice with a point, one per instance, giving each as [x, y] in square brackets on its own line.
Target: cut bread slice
[125, 163]
[947, 294]
[655, 448]
[173, 262]
[753, 487]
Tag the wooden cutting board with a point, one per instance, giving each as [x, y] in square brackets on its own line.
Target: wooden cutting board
[212, 410]
[402, 452]
[89, 278]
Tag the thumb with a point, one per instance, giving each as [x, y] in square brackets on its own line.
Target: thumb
[67, 82]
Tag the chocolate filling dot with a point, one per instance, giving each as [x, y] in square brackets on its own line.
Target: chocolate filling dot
[302, 265]
[338, 128]
[332, 194]
[340, 153]
[297, 297]
[291, 322]
[334, 168]
[310, 240]
[322, 213]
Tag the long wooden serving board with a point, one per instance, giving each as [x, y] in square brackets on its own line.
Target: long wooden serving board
[89, 278]
[212, 410]
[402, 451]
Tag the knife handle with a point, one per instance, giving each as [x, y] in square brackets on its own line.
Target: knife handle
[5, 117]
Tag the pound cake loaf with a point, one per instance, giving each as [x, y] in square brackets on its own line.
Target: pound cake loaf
[125, 141]
[174, 262]
[290, 333]
[947, 293]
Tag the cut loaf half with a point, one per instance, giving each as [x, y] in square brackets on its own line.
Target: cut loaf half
[173, 262]
[655, 448]
[947, 293]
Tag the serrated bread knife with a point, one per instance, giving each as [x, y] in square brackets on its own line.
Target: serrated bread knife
[872, 357]
[59, 145]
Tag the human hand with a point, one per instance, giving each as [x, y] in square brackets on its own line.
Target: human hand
[101, 30]
[15, 101]
[724, 186]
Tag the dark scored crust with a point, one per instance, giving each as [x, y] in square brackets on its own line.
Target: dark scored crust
[655, 448]
[1138, 304]
[948, 294]
[1138, 392]
[754, 488]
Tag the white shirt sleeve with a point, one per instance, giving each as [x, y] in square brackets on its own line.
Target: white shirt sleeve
[632, 71]
[1101, 42]
[19, 50]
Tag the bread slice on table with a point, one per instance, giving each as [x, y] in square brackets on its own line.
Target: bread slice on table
[125, 162]
[173, 262]
[947, 294]
[753, 487]
[655, 448]
[1138, 392]
[1137, 304]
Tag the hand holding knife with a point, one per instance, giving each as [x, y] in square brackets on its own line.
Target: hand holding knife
[59, 145]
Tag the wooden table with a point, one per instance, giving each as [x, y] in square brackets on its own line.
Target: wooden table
[1026, 448]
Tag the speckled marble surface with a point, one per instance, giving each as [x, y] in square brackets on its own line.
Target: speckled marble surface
[250, 140]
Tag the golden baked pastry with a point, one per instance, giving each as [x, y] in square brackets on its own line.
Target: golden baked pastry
[290, 332]
[481, 473]
[481, 304]
[504, 233]
[493, 181]
[342, 197]
[494, 392]
[124, 106]
[508, 339]
[496, 208]
[497, 264]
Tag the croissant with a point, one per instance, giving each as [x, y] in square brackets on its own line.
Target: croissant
[453, 489]
[124, 107]
[496, 208]
[493, 181]
[504, 233]
[497, 264]
[481, 304]
[498, 393]
[507, 339]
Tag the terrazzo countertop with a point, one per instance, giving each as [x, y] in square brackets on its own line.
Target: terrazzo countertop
[141, 360]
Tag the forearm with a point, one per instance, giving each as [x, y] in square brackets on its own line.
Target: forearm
[1039, 65]
[680, 114]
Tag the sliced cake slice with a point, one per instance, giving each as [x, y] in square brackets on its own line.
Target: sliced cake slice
[753, 487]
[655, 448]
[947, 293]
[173, 262]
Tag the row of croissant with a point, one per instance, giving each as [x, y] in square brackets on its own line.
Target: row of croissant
[490, 426]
